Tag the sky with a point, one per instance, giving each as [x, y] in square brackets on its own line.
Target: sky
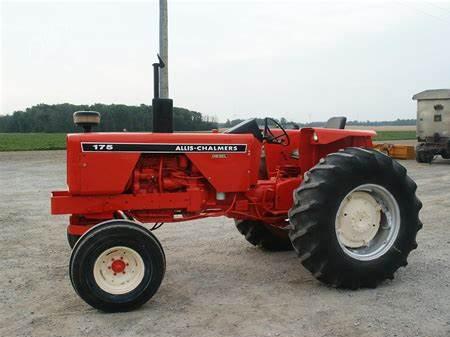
[302, 60]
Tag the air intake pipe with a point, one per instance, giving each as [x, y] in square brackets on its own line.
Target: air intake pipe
[162, 107]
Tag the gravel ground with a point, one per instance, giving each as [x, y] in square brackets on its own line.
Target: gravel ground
[216, 284]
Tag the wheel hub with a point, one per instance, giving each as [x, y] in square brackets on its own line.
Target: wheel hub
[359, 220]
[118, 266]
[119, 270]
[367, 222]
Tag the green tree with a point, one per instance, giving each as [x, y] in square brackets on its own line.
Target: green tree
[114, 117]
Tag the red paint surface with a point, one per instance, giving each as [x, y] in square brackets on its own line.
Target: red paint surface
[118, 266]
[178, 187]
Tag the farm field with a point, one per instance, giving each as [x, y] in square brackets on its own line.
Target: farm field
[216, 283]
[395, 135]
[57, 141]
[383, 127]
[32, 141]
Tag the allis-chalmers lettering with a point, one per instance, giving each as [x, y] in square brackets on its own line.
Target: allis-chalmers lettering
[164, 148]
[207, 148]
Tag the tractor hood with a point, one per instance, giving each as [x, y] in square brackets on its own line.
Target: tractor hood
[102, 163]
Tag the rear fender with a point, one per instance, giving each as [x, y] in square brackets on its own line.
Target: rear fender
[316, 143]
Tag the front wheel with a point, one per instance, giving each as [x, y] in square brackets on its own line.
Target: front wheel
[72, 239]
[355, 218]
[117, 265]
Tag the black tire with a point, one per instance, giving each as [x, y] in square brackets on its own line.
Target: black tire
[419, 156]
[72, 239]
[427, 157]
[423, 156]
[261, 235]
[102, 237]
[445, 154]
[316, 203]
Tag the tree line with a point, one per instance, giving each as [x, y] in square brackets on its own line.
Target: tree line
[119, 117]
[290, 124]
[114, 117]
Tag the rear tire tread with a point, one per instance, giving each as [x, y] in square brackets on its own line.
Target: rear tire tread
[258, 235]
[306, 235]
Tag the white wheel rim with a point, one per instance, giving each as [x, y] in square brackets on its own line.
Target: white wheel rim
[367, 222]
[119, 270]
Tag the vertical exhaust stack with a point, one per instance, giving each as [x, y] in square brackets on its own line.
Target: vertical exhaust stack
[162, 107]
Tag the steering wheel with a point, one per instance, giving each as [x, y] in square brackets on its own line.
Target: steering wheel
[282, 139]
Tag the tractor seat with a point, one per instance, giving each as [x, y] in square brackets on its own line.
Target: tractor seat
[336, 123]
[248, 126]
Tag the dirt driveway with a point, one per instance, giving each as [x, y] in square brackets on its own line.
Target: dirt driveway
[216, 284]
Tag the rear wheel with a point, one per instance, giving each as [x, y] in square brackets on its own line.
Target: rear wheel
[423, 156]
[419, 156]
[117, 265]
[355, 218]
[427, 157]
[445, 154]
[263, 235]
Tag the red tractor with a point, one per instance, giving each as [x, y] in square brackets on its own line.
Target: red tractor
[349, 212]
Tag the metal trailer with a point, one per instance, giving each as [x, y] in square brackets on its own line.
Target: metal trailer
[433, 124]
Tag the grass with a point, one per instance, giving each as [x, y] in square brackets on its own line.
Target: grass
[32, 141]
[395, 135]
[57, 141]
